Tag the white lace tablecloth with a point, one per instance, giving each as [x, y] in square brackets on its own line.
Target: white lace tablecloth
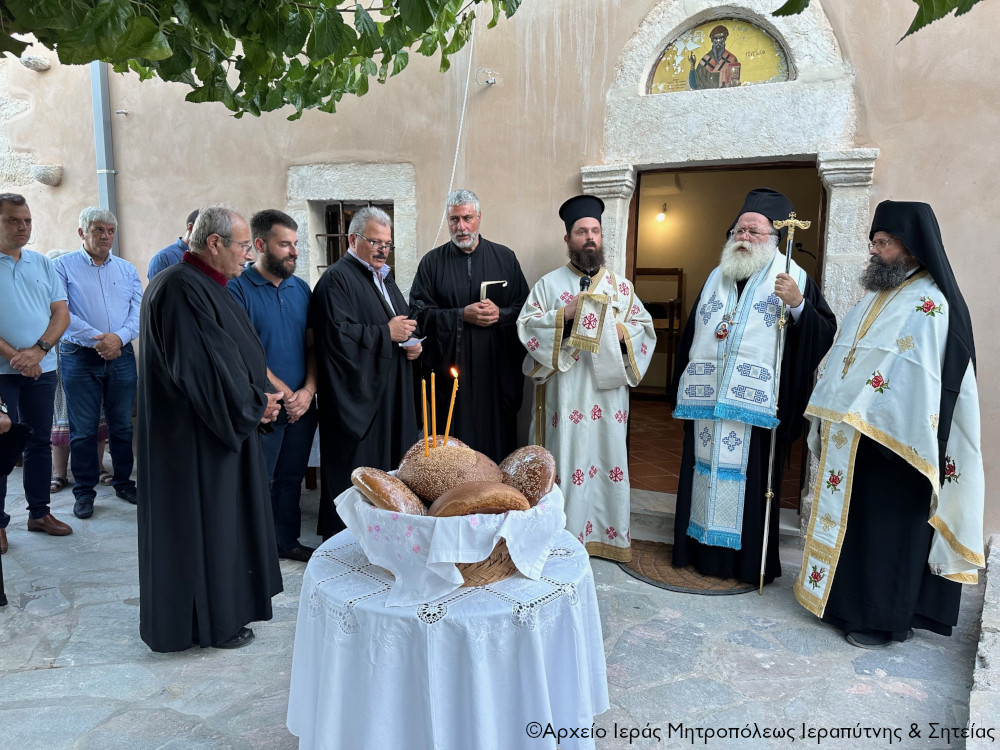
[468, 671]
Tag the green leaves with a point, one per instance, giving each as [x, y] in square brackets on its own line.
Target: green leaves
[299, 53]
[791, 8]
[928, 11]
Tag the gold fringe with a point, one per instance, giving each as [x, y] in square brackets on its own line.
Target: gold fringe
[609, 552]
[586, 345]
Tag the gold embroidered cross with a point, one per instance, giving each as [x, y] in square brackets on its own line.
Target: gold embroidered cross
[848, 361]
[905, 344]
[828, 522]
[840, 439]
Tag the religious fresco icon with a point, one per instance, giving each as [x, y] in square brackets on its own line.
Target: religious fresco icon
[722, 53]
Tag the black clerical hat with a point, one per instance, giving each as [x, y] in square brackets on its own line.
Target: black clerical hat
[580, 207]
[12, 445]
[766, 202]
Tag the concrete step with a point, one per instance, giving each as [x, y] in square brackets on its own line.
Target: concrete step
[652, 518]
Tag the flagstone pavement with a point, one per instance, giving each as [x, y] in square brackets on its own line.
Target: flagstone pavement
[74, 673]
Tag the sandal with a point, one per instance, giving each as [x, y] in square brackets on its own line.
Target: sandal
[56, 484]
[106, 478]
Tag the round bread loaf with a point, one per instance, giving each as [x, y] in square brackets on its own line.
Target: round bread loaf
[531, 470]
[418, 447]
[478, 497]
[384, 491]
[446, 467]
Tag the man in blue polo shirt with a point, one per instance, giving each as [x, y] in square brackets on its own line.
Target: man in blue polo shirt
[278, 304]
[173, 252]
[33, 316]
[96, 358]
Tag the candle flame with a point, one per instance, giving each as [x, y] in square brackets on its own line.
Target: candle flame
[454, 372]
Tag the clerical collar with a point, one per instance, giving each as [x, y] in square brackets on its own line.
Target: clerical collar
[192, 259]
[585, 273]
[381, 272]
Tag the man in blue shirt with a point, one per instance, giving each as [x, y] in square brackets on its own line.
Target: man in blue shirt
[173, 252]
[277, 302]
[33, 316]
[96, 358]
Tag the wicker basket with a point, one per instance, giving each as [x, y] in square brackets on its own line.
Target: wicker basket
[496, 567]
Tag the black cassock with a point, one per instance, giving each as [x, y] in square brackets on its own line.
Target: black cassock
[208, 563]
[366, 402]
[888, 540]
[807, 340]
[489, 359]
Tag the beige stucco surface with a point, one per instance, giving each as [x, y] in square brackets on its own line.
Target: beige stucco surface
[927, 104]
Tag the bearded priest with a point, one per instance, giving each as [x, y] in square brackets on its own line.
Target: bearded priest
[725, 391]
[589, 340]
[897, 514]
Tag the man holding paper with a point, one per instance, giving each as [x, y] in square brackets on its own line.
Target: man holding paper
[588, 339]
[364, 343]
[466, 297]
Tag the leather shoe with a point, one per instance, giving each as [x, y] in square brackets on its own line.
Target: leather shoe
[84, 508]
[300, 553]
[871, 639]
[241, 639]
[50, 525]
[3, 541]
[127, 493]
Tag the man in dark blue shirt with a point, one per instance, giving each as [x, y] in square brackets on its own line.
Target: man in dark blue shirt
[173, 252]
[277, 302]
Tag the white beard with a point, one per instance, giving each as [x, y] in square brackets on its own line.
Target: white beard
[739, 266]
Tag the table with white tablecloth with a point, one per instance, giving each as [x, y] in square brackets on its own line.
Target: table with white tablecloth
[468, 671]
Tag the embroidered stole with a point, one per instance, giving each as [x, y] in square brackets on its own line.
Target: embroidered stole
[727, 388]
[883, 382]
[588, 325]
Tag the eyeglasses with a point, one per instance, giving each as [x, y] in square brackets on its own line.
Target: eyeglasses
[882, 243]
[752, 233]
[387, 246]
[246, 244]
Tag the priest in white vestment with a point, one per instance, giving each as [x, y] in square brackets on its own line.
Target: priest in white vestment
[588, 339]
[897, 512]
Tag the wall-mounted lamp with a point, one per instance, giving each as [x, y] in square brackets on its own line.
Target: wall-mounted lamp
[662, 216]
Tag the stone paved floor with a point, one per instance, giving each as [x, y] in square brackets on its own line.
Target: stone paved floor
[74, 673]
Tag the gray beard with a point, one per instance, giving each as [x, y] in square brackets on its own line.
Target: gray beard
[466, 244]
[879, 275]
[738, 266]
[276, 267]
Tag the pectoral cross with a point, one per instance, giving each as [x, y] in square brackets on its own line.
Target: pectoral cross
[848, 361]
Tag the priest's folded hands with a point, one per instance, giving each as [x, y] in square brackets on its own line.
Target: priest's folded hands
[272, 408]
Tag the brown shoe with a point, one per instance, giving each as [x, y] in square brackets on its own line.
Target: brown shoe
[3, 541]
[50, 525]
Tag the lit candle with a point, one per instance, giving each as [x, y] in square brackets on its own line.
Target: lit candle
[434, 410]
[423, 398]
[451, 406]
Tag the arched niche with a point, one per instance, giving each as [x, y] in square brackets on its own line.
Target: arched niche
[719, 53]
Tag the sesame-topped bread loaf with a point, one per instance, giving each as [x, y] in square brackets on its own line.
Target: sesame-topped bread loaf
[446, 467]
